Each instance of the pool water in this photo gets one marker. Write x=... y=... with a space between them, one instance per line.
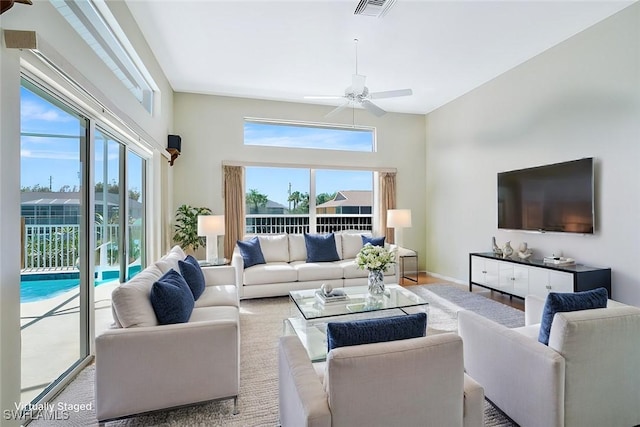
x=36 y=287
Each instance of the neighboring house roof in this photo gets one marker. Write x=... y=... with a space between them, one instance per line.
x=66 y=198
x=349 y=198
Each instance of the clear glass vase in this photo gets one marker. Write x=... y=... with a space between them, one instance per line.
x=376 y=282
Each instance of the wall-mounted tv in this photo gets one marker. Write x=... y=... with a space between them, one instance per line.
x=555 y=198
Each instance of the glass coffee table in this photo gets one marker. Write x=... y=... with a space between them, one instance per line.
x=310 y=316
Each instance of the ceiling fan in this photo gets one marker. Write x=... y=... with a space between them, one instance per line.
x=358 y=94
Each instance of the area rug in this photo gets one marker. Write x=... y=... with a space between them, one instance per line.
x=261 y=323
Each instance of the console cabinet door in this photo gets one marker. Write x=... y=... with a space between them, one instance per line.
x=521 y=281
x=505 y=282
x=484 y=272
x=560 y=282
x=543 y=281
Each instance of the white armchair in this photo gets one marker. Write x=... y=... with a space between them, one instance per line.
x=587 y=376
x=412 y=382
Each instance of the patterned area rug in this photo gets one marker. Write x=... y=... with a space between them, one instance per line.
x=261 y=325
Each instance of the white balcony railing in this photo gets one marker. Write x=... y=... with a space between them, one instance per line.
x=298 y=224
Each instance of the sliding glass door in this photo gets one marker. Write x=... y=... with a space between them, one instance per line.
x=83 y=232
x=54 y=281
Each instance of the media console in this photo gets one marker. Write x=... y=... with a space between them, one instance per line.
x=519 y=278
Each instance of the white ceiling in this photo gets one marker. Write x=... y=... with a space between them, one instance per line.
x=284 y=50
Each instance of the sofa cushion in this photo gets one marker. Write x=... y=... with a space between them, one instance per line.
x=171 y=299
x=274 y=248
x=170 y=260
x=321 y=247
x=350 y=269
x=251 y=252
x=351 y=245
x=561 y=302
x=357 y=332
x=208 y=314
x=131 y=301
x=375 y=241
x=308 y=271
x=297 y=248
x=218 y=295
x=192 y=273
x=274 y=272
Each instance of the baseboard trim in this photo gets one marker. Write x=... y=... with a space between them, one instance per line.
x=447 y=278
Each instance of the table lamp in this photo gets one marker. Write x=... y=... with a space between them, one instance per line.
x=211 y=226
x=398 y=219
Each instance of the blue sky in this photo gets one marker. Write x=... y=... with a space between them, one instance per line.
x=57 y=158
x=274 y=182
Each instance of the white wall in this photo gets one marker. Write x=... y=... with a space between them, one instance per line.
x=73 y=56
x=212 y=132
x=578 y=99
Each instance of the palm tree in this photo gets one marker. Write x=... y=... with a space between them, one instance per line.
x=256 y=199
x=296 y=198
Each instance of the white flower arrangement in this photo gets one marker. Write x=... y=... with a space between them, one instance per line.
x=375 y=258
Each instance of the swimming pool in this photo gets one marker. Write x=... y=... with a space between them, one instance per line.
x=36 y=287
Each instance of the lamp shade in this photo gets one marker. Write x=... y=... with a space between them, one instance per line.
x=399 y=218
x=210 y=225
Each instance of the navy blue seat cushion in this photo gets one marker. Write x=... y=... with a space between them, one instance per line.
x=251 y=252
x=192 y=273
x=357 y=332
x=171 y=299
x=563 y=302
x=375 y=241
x=321 y=247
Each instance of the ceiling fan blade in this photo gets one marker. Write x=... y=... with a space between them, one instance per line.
x=324 y=97
x=357 y=83
x=391 y=93
x=336 y=110
x=373 y=108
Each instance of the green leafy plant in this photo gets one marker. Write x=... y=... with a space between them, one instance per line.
x=186 y=227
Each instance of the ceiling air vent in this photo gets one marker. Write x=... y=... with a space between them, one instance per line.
x=377 y=8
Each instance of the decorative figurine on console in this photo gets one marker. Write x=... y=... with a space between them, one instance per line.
x=507 y=250
x=524 y=252
x=496 y=249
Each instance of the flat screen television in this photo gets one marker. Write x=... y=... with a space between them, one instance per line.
x=555 y=198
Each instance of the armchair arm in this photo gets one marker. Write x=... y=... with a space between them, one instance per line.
x=473 y=410
x=148 y=368
x=525 y=378
x=303 y=401
x=219 y=275
x=533 y=307
x=238 y=263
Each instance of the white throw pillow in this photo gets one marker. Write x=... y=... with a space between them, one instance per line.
x=131 y=301
x=170 y=260
x=351 y=245
x=297 y=248
x=275 y=248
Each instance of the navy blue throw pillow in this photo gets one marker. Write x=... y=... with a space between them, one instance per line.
x=357 y=332
x=171 y=299
x=251 y=252
x=563 y=302
x=192 y=273
x=375 y=241
x=321 y=247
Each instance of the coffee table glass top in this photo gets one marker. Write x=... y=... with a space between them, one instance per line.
x=358 y=301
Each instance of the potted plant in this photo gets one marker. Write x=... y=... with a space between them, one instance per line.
x=186 y=227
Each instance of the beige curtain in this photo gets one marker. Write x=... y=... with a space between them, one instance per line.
x=233 y=208
x=387 y=201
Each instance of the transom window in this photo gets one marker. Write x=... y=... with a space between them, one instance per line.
x=310 y=136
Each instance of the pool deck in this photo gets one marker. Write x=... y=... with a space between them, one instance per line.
x=51 y=335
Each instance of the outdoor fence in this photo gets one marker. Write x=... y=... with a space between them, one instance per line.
x=298 y=224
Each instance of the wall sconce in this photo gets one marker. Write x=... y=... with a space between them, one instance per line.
x=211 y=226
x=398 y=219
x=174 y=146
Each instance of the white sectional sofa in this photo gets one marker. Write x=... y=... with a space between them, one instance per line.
x=142 y=366
x=286 y=267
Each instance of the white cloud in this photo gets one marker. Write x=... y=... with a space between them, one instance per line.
x=51 y=155
x=30 y=110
